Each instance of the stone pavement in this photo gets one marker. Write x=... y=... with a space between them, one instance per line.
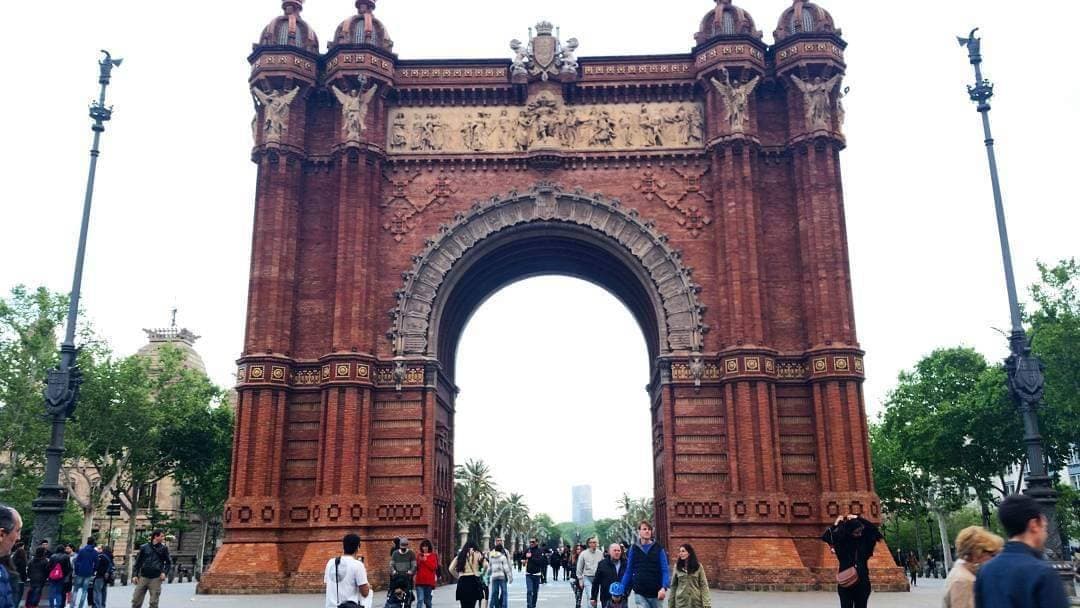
x=552 y=595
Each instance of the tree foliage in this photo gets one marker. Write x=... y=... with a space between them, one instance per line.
x=1055 y=337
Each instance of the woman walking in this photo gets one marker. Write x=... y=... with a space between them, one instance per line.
x=853 y=539
x=38 y=574
x=689 y=585
x=555 y=561
x=574 y=584
x=975 y=546
x=427 y=566
x=467 y=568
x=913 y=569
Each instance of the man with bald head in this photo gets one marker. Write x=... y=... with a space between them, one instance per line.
x=609 y=570
x=10 y=529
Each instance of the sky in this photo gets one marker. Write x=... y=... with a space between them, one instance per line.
x=171 y=224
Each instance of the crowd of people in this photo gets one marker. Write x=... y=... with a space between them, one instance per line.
x=65 y=575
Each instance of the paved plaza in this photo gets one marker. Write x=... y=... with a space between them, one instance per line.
x=552 y=595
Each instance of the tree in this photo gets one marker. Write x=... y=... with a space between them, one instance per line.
x=1055 y=334
x=473 y=492
x=29 y=325
x=202 y=446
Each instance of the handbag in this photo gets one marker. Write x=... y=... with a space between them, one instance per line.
x=337 y=588
x=848 y=577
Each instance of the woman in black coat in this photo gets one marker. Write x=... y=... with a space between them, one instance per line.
x=853 y=540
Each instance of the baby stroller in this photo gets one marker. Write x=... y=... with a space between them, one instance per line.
x=400 y=593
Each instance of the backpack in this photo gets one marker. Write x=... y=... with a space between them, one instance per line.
x=57 y=573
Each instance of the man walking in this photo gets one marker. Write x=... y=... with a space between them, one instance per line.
x=345 y=577
x=535 y=566
x=151 y=565
x=84 y=572
x=587 y=563
x=403 y=567
x=1019 y=576
x=10 y=529
x=647 y=572
x=609 y=570
x=501 y=574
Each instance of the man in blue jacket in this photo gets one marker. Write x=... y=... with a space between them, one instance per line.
x=1019 y=577
x=647 y=571
x=10 y=529
x=85 y=560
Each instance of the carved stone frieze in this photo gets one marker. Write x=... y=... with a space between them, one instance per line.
x=545 y=122
x=681 y=327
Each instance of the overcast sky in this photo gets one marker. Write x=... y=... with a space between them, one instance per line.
x=172 y=218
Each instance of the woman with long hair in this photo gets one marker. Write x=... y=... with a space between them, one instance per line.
x=853 y=539
x=427 y=566
x=467 y=568
x=689 y=585
x=572 y=559
x=555 y=562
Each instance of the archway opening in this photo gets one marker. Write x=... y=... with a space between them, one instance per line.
x=552 y=373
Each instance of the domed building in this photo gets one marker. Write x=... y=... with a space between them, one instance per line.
x=180 y=339
x=362 y=29
x=726 y=20
x=290 y=30
x=804 y=18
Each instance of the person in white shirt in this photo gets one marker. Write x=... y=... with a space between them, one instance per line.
x=346 y=578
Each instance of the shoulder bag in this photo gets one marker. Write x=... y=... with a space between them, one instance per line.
x=848 y=577
x=337 y=587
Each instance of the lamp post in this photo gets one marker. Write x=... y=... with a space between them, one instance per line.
x=62 y=386
x=1025 y=370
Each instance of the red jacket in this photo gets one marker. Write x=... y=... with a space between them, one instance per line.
x=425 y=569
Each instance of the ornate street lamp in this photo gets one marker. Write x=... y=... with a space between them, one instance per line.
x=62 y=387
x=1025 y=370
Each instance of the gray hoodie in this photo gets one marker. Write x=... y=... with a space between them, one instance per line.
x=588 y=561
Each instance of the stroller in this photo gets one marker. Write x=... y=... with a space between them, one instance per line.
x=400 y=592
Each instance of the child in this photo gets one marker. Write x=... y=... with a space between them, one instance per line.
x=398 y=597
x=617 y=596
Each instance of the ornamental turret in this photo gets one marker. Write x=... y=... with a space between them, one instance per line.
x=809 y=57
x=730 y=62
x=359 y=74
x=284 y=65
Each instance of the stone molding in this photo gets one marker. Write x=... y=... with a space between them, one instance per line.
x=681 y=327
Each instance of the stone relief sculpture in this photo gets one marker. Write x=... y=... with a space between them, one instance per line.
x=519 y=65
x=354 y=108
x=545 y=56
x=569 y=59
x=546 y=122
x=816 y=100
x=736 y=98
x=275 y=105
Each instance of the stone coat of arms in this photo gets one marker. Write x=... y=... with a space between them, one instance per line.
x=545 y=56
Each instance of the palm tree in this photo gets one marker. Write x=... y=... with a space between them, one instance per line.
x=473 y=492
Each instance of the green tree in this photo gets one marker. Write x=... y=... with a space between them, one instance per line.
x=1055 y=336
x=202 y=445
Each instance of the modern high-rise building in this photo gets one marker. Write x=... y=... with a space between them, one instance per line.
x=581 y=504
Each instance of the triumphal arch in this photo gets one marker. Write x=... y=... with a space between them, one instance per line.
x=394 y=195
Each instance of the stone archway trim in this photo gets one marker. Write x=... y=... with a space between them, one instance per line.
x=681 y=325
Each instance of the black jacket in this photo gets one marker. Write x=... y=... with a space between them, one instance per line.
x=605 y=575
x=152 y=561
x=38 y=572
x=65 y=564
x=537 y=563
x=854 y=541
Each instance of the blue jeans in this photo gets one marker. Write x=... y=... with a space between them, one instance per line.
x=99 y=592
x=423 y=596
x=532 y=590
x=56 y=594
x=648 y=602
x=498 y=598
x=79 y=587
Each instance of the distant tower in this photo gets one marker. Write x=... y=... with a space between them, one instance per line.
x=581 y=504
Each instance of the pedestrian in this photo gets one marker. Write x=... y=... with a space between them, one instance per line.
x=1019 y=576
x=467 y=567
x=689 y=585
x=535 y=566
x=10 y=529
x=151 y=564
x=570 y=563
x=974 y=546
x=403 y=568
x=59 y=571
x=575 y=581
x=346 y=577
x=85 y=559
x=616 y=596
x=647 y=574
x=37 y=574
x=555 y=560
x=853 y=540
x=104 y=570
x=69 y=581
x=427 y=574
x=21 y=561
x=608 y=571
x=913 y=569
x=500 y=574
x=586 y=565
x=545 y=554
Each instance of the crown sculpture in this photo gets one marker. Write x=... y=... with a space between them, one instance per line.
x=544 y=57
